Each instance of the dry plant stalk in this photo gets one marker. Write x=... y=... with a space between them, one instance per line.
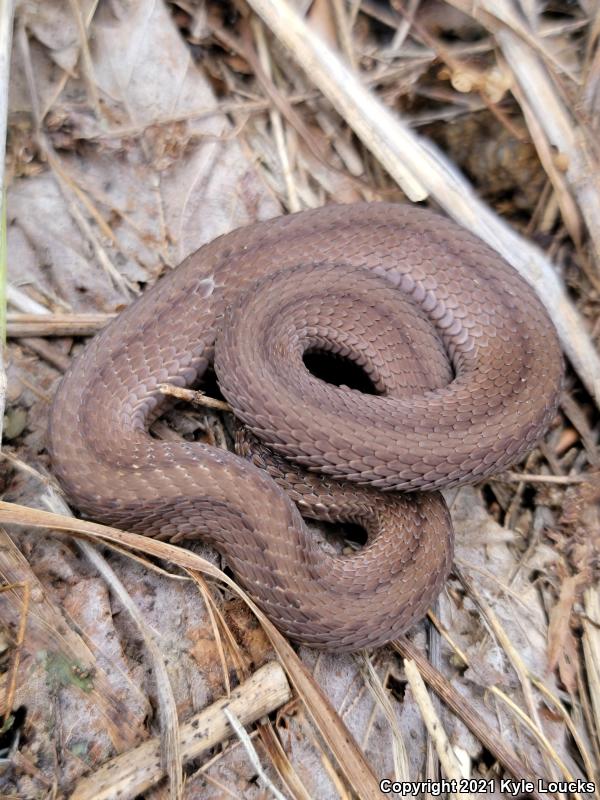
x=133 y=772
x=434 y=726
x=6 y=23
x=193 y=396
x=591 y=649
x=23 y=325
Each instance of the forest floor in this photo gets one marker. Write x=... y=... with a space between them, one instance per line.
x=138 y=132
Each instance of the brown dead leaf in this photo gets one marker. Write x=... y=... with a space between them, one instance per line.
x=562 y=646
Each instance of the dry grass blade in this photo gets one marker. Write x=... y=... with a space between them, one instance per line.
x=539 y=736
x=547 y=156
x=7 y=701
x=167 y=707
x=276 y=119
x=281 y=762
x=71 y=192
x=350 y=758
x=383 y=701
x=86 y=59
x=564 y=139
x=6 y=23
x=216 y=620
x=239 y=731
x=581 y=746
x=496 y=15
x=193 y=396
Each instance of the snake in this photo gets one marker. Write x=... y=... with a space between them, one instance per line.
x=464 y=372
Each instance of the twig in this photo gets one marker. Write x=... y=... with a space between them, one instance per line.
x=28 y=306
x=6 y=25
x=434 y=726
x=132 y=773
x=524 y=477
x=41 y=325
x=193 y=396
x=46 y=351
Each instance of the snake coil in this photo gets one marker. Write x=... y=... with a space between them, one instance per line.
x=462 y=356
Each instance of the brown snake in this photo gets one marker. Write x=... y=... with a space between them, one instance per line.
x=461 y=352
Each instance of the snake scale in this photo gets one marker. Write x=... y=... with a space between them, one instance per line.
x=466 y=371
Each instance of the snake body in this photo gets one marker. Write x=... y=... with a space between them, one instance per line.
x=466 y=370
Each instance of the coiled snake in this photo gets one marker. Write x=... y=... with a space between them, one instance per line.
x=463 y=358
